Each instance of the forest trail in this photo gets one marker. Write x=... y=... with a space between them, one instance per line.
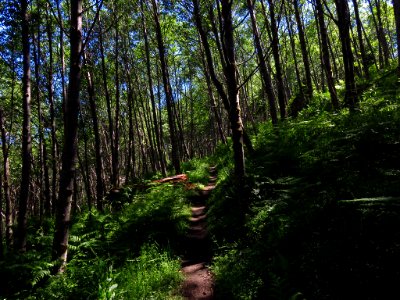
x=199 y=282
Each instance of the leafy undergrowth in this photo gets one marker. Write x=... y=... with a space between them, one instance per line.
x=319 y=214
x=128 y=254
x=197 y=170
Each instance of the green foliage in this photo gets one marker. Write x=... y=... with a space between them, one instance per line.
x=110 y=255
x=242 y=282
x=197 y=170
x=323 y=207
x=152 y=275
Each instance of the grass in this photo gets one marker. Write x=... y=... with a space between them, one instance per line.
x=152 y=275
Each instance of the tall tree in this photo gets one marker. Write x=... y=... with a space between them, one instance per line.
x=167 y=89
x=115 y=154
x=69 y=154
x=231 y=72
x=6 y=182
x=396 y=6
x=108 y=104
x=325 y=54
x=210 y=64
x=266 y=76
x=44 y=179
x=26 y=131
x=152 y=98
x=50 y=92
x=382 y=42
x=277 y=59
x=343 y=22
x=1 y=218
x=96 y=132
x=304 y=51
x=360 y=39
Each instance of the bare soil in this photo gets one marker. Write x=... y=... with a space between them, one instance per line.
x=199 y=281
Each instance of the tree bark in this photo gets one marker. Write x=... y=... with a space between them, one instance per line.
x=381 y=34
x=304 y=51
x=382 y=43
x=233 y=93
x=131 y=164
x=1 y=218
x=325 y=55
x=351 y=98
x=364 y=59
x=61 y=235
x=44 y=180
x=84 y=164
x=6 y=183
x=97 y=142
x=211 y=97
x=152 y=98
x=26 y=132
x=50 y=91
x=277 y=58
x=218 y=85
x=396 y=7
x=167 y=90
x=115 y=154
x=265 y=75
x=296 y=67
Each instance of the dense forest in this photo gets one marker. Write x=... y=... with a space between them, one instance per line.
x=295 y=105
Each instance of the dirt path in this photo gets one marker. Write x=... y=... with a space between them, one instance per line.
x=199 y=283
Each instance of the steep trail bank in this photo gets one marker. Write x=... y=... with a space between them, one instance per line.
x=199 y=282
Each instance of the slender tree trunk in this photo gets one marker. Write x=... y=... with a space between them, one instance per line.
x=131 y=165
x=6 y=183
x=332 y=52
x=381 y=33
x=277 y=58
x=218 y=85
x=61 y=235
x=1 y=218
x=396 y=7
x=325 y=55
x=371 y=49
x=304 y=51
x=382 y=43
x=52 y=108
x=44 y=181
x=217 y=35
x=139 y=132
x=293 y=48
x=97 y=142
x=62 y=53
x=36 y=55
x=167 y=89
x=145 y=119
x=212 y=100
x=360 y=39
x=115 y=154
x=26 y=132
x=160 y=120
x=233 y=93
x=265 y=75
x=54 y=151
x=108 y=103
x=351 y=98
x=152 y=98
x=84 y=164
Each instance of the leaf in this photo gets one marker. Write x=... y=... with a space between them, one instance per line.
x=113 y=287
